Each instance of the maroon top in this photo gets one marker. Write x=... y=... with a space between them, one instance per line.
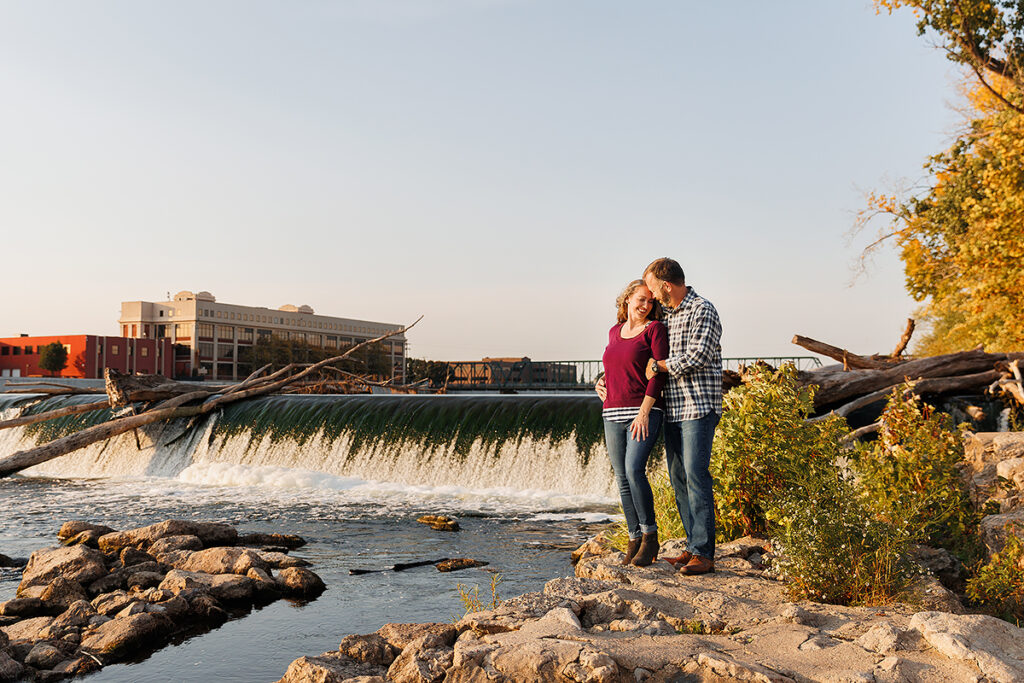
x=625 y=363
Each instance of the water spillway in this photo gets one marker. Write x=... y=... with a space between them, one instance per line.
x=523 y=442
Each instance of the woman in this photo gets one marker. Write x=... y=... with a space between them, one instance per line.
x=633 y=412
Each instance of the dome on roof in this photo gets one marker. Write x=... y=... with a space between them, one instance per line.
x=184 y=295
x=288 y=308
x=205 y=296
x=305 y=309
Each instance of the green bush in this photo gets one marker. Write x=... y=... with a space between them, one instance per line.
x=911 y=476
x=766 y=448
x=998 y=586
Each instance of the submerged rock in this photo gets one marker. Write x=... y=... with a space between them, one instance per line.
x=302 y=582
x=458 y=563
x=440 y=522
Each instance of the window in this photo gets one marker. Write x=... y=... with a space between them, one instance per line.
x=218 y=314
x=133 y=331
x=113 y=349
x=5 y=350
x=182 y=330
x=161 y=312
x=17 y=350
x=144 y=351
x=204 y=330
x=232 y=315
x=28 y=350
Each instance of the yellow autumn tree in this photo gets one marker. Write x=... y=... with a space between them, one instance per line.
x=962 y=239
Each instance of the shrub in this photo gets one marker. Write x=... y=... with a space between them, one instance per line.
x=911 y=476
x=766 y=448
x=998 y=586
x=471 y=600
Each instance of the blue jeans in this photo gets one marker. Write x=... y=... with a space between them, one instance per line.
x=629 y=460
x=688 y=456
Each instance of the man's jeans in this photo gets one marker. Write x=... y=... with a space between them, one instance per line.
x=688 y=455
x=629 y=460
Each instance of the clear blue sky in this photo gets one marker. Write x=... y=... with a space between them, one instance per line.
x=502 y=167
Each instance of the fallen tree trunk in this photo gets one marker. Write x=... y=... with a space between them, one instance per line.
x=174 y=408
x=933 y=385
x=53 y=414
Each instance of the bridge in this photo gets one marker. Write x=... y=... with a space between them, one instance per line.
x=515 y=375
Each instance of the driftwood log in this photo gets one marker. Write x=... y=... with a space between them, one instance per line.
x=175 y=406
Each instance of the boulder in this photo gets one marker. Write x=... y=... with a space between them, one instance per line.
x=330 y=667
x=300 y=582
x=439 y=522
x=372 y=648
x=44 y=656
x=26 y=629
x=225 y=587
x=941 y=563
x=115 y=580
x=278 y=560
x=210 y=533
x=75 y=617
x=995 y=646
x=206 y=607
x=78 y=666
x=142 y=580
x=458 y=563
x=224 y=561
x=263 y=581
x=290 y=541
x=131 y=556
x=73 y=528
x=90 y=538
x=995 y=528
x=7 y=561
x=928 y=593
x=76 y=563
x=120 y=637
x=112 y=603
x=882 y=638
x=424 y=660
x=61 y=593
x=23 y=607
x=169 y=543
x=983 y=453
x=400 y=635
x=10 y=670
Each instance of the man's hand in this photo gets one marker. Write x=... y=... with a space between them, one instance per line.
x=601 y=389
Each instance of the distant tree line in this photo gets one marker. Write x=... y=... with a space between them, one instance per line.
x=373 y=360
x=437 y=371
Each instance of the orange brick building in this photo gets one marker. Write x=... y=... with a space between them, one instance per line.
x=88 y=355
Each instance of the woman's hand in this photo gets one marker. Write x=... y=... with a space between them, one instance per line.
x=639 y=428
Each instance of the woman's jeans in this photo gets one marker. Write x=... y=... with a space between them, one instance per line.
x=629 y=460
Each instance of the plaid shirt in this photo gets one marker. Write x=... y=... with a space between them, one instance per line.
x=694 y=361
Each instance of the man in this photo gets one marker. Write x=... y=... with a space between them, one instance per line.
x=693 y=398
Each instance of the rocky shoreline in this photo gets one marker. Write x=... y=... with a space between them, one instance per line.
x=107 y=595
x=612 y=623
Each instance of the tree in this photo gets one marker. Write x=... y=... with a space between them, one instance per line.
x=437 y=371
x=53 y=357
x=960 y=239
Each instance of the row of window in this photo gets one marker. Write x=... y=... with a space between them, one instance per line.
x=278 y=320
x=27 y=350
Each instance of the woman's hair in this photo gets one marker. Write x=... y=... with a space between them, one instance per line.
x=622 y=303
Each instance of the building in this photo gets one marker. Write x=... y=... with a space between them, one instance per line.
x=511 y=371
x=208 y=334
x=88 y=355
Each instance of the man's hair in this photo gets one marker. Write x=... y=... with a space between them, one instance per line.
x=667 y=270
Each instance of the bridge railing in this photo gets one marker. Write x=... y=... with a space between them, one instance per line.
x=566 y=375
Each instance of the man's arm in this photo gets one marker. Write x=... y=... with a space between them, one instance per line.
x=699 y=347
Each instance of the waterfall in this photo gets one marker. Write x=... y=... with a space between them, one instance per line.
x=543 y=442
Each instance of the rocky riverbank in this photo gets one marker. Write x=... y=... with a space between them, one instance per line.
x=611 y=623
x=106 y=595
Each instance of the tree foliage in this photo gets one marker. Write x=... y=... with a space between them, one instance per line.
x=961 y=240
x=53 y=357
x=371 y=360
x=437 y=371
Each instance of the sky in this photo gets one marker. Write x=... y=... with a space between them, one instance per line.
x=502 y=167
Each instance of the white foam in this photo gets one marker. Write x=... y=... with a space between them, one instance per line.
x=232 y=474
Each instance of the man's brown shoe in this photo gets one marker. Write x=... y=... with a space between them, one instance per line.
x=679 y=560
x=698 y=565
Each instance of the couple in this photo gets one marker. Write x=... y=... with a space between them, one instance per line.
x=682 y=359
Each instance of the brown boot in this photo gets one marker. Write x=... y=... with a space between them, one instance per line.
x=698 y=564
x=631 y=548
x=648 y=552
x=679 y=560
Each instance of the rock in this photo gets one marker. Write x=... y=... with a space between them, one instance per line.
x=224 y=561
x=400 y=635
x=742 y=548
x=226 y=587
x=439 y=522
x=75 y=617
x=592 y=667
x=1012 y=469
x=263 y=581
x=169 y=543
x=174 y=608
x=132 y=556
x=210 y=533
x=61 y=593
x=302 y=582
x=115 y=580
x=882 y=638
x=123 y=636
x=330 y=667
x=928 y=593
x=278 y=560
x=995 y=528
x=983 y=454
x=76 y=563
x=372 y=648
x=44 y=656
x=23 y=607
x=290 y=541
x=207 y=608
x=26 y=629
x=595 y=547
x=142 y=580
x=112 y=603
x=941 y=563
x=458 y=563
x=730 y=668
x=423 y=660
x=77 y=667
x=7 y=561
x=91 y=538
x=10 y=670
x=995 y=646
x=73 y=528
